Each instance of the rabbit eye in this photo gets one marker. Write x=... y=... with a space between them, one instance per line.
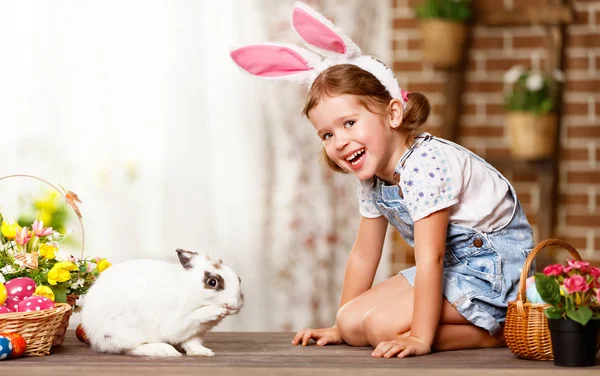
x=212 y=282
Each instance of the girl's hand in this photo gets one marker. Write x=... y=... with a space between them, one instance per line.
x=401 y=347
x=326 y=336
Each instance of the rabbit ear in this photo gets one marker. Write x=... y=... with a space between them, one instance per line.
x=276 y=61
x=321 y=34
x=185 y=258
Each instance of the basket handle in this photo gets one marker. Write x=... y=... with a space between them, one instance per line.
x=538 y=248
x=70 y=198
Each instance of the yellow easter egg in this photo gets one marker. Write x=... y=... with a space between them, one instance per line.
x=3 y=293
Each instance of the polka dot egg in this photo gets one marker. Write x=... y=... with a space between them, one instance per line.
x=6 y=348
x=12 y=303
x=35 y=303
x=5 y=309
x=21 y=287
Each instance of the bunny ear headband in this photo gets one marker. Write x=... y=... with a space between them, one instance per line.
x=278 y=61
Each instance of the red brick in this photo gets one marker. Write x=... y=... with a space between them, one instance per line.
x=580 y=63
x=590 y=177
x=481 y=131
x=579 y=242
x=583 y=132
x=426 y=87
x=486 y=42
x=573 y=199
x=494 y=109
x=583 y=40
x=590 y=85
x=575 y=108
x=485 y=87
x=575 y=154
x=413 y=44
x=529 y=41
x=405 y=23
x=505 y=64
x=583 y=220
x=407 y=66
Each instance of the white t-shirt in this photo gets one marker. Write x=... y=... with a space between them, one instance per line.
x=437 y=175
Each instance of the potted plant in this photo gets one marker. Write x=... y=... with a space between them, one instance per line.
x=531 y=121
x=573 y=292
x=443 y=30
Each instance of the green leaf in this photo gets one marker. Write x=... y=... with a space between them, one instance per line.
x=581 y=315
x=548 y=288
x=60 y=292
x=554 y=313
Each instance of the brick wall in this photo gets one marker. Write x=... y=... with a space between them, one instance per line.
x=494 y=50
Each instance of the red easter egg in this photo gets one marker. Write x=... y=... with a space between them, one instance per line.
x=35 y=303
x=18 y=342
x=5 y=309
x=12 y=303
x=23 y=287
x=81 y=335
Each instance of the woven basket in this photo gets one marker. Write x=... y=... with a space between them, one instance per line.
x=526 y=328
x=38 y=328
x=43 y=342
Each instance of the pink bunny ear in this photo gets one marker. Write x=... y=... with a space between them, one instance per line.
x=272 y=61
x=320 y=33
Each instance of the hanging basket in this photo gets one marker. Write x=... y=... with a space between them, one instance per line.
x=44 y=329
x=442 y=42
x=526 y=329
x=531 y=136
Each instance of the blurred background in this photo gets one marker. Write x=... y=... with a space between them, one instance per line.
x=137 y=108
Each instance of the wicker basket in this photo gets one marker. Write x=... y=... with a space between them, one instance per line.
x=526 y=328
x=43 y=342
x=38 y=328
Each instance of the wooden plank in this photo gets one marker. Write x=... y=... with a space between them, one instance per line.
x=263 y=353
x=529 y=15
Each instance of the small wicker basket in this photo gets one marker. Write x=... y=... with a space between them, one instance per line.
x=38 y=328
x=526 y=328
x=55 y=320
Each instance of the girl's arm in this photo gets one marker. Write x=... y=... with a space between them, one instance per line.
x=360 y=272
x=430 y=245
x=364 y=258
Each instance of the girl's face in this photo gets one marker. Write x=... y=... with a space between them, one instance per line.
x=358 y=140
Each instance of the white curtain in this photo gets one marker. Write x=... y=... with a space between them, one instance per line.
x=134 y=106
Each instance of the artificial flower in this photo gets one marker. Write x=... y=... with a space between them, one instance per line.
x=39 y=230
x=48 y=251
x=576 y=283
x=22 y=236
x=534 y=82
x=513 y=74
x=44 y=291
x=9 y=231
x=554 y=270
x=103 y=265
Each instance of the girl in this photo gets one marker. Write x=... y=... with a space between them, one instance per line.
x=469 y=232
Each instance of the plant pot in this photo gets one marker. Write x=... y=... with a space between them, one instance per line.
x=531 y=136
x=573 y=344
x=442 y=41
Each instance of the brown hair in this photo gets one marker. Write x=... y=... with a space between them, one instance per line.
x=350 y=79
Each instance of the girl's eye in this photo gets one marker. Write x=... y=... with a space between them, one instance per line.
x=326 y=136
x=349 y=124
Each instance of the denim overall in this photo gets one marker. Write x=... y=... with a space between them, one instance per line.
x=481 y=269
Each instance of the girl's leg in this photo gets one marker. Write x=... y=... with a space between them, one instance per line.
x=384 y=311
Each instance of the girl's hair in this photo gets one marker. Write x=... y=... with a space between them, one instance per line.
x=350 y=79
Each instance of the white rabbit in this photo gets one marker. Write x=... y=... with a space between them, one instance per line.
x=146 y=307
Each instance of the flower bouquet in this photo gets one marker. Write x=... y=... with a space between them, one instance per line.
x=39 y=280
x=573 y=293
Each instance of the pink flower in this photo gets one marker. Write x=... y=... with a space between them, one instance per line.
x=22 y=236
x=553 y=270
x=595 y=272
x=583 y=266
x=576 y=283
x=39 y=230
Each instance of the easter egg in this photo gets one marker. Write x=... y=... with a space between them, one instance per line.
x=35 y=303
x=12 y=303
x=81 y=335
x=19 y=345
x=3 y=293
x=22 y=287
x=531 y=291
x=6 y=348
x=5 y=309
